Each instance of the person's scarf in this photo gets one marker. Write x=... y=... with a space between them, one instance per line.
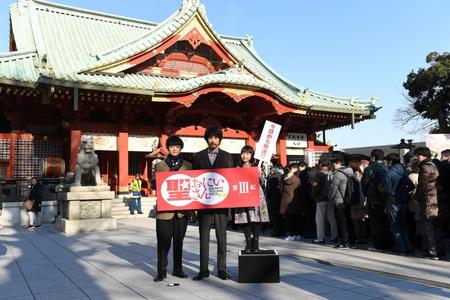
x=174 y=162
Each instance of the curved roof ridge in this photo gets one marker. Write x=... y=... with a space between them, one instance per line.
x=135 y=46
x=18 y=54
x=317 y=94
x=136 y=40
x=92 y=12
x=241 y=79
x=269 y=68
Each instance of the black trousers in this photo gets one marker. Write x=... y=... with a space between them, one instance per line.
x=166 y=230
x=435 y=237
x=345 y=224
x=360 y=227
x=379 y=226
x=206 y=219
x=293 y=224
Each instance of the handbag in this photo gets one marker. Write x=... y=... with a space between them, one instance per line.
x=28 y=204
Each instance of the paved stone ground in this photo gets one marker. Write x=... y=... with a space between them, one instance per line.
x=45 y=264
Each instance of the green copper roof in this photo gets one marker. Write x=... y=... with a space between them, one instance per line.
x=62 y=43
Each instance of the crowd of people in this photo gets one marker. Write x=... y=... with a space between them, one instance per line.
x=383 y=203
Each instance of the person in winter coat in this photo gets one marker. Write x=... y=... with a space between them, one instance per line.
x=290 y=206
x=444 y=190
x=1 y=212
x=324 y=207
x=35 y=195
x=376 y=201
x=426 y=195
x=250 y=218
x=358 y=210
x=396 y=186
x=171 y=225
x=273 y=190
x=337 y=192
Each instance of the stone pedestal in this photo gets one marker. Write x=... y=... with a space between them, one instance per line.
x=86 y=208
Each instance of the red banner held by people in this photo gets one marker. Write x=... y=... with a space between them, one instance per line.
x=207 y=189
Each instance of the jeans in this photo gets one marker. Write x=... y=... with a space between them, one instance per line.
x=397 y=220
x=135 y=203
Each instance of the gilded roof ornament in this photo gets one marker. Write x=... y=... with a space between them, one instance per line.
x=43 y=67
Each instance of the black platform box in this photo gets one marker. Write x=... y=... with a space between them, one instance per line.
x=262 y=267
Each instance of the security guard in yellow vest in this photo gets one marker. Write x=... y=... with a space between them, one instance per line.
x=135 y=189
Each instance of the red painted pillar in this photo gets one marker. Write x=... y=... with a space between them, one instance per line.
x=311 y=138
x=123 y=161
x=281 y=145
x=75 y=140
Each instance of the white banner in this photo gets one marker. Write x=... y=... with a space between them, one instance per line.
x=103 y=141
x=298 y=152
x=296 y=140
x=311 y=158
x=438 y=142
x=267 y=142
x=142 y=143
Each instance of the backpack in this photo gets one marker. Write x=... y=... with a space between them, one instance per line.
x=356 y=197
x=350 y=190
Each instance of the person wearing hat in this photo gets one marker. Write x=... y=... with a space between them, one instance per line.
x=171 y=225
x=135 y=189
x=213 y=158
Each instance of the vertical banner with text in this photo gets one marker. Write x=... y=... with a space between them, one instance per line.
x=267 y=141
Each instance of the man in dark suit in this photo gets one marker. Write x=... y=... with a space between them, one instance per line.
x=213 y=158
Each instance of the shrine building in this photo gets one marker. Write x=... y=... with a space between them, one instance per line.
x=132 y=83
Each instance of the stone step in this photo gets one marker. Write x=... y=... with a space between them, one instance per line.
x=128 y=216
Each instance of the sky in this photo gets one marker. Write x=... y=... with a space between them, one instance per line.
x=345 y=48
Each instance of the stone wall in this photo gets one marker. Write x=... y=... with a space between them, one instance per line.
x=14 y=214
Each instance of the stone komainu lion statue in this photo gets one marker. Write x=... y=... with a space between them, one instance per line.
x=87 y=172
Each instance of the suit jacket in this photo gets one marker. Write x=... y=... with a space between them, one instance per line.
x=163 y=167
x=223 y=160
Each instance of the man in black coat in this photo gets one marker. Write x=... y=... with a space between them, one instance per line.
x=376 y=201
x=444 y=190
x=213 y=158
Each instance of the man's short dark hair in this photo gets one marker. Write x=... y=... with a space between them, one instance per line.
x=302 y=164
x=293 y=165
x=424 y=151
x=174 y=140
x=377 y=153
x=213 y=131
x=338 y=160
x=446 y=153
x=324 y=162
x=393 y=157
x=407 y=158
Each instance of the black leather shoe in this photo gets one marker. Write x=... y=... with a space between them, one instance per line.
x=201 y=275
x=223 y=275
x=179 y=274
x=160 y=277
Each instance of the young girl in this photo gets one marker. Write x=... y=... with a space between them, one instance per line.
x=250 y=218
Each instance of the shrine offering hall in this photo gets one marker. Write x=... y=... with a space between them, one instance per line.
x=130 y=84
